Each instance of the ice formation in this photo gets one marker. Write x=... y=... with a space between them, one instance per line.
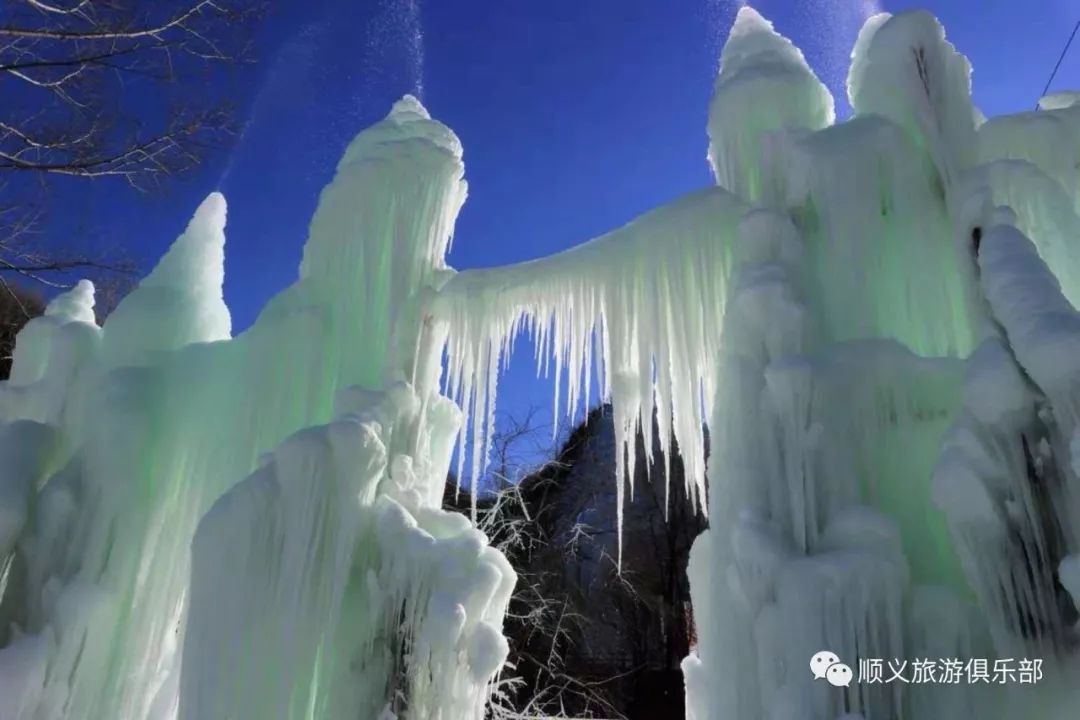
x=883 y=354
x=874 y=319
x=200 y=526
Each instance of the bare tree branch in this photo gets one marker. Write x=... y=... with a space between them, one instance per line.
x=542 y=625
x=45 y=7
x=157 y=31
x=100 y=89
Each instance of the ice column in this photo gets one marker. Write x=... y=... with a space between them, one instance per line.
x=329 y=583
x=829 y=409
x=793 y=561
x=326 y=584
x=764 y=90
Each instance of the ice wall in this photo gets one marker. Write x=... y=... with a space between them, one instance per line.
x=144 y=577
x=892 y=481
x=883 y=356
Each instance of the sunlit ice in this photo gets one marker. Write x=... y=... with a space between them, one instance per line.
x=861 y=341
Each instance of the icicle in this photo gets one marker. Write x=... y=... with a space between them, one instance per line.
x=652 y=357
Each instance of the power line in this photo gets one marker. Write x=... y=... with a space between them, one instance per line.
x=1060 y=59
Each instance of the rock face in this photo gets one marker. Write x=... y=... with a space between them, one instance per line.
x=621 y=634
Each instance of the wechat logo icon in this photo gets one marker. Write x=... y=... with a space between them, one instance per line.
x=826 y=665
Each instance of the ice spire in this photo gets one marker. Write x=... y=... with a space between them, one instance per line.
x=764 y=86
x=37 y=347
x=399 y=610
x=904 y=69
x=379 y=235
x=185 y=286
x=162 y=414
x=75 y=305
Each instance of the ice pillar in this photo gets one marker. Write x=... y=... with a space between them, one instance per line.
x=142 y=577
x=329 y=583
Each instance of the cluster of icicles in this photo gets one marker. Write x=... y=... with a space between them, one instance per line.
x=875 y=320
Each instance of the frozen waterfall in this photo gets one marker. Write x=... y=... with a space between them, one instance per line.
x=876 y=321
x=200 y=526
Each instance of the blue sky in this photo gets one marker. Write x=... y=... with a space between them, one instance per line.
x=575 y=116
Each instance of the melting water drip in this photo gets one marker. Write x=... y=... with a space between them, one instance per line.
x=416 y=45
x=292 y=64
x=307 y=68
x=397 y=31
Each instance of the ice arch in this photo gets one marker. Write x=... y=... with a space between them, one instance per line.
x=883 y=352
x=875 y=319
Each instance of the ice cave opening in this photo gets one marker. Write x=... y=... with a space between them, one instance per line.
x=875 y=319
